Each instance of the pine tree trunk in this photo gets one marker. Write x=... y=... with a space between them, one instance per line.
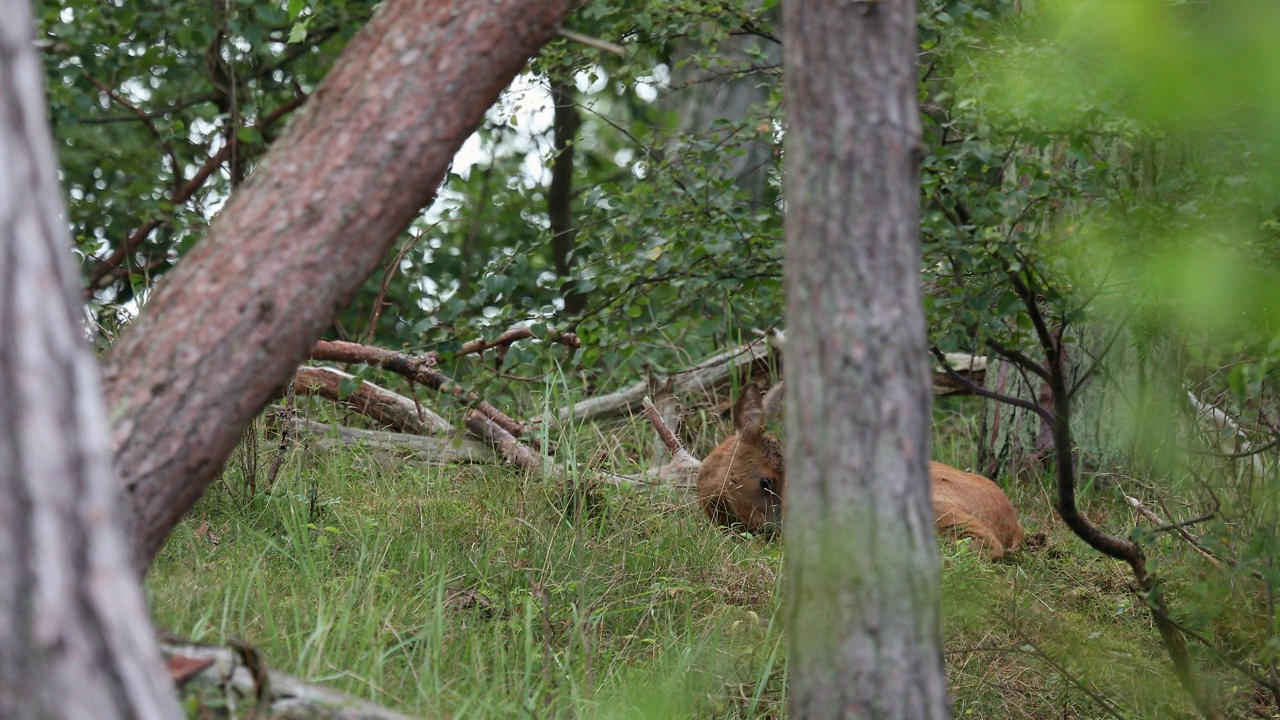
x=295 y=242
x=75 y=640
x=862 y=566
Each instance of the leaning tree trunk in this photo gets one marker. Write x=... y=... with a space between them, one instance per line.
x=295 y=242
x=862 y=566
x=75 y=641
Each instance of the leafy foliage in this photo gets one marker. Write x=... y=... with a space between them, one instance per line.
x=1118 y=157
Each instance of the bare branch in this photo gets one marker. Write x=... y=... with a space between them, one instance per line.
x=516 y=334
x=387 y=408
x=977 y=389
x=592 y=42
x=419 y=369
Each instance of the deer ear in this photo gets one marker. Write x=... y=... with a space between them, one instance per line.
x=772 y=402
x=748 y=414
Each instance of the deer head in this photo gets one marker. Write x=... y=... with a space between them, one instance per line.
x=741 y=482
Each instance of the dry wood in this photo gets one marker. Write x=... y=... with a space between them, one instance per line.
x=235 y=678
x=385 y=407
x=697 y=380
x=1230 y=438
x=511 y=448
x=430 y=449
x=418 y=368
x=517 y=334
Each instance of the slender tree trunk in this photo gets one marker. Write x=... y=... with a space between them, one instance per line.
x=75 y=641
x=299 y=237
x=564 y=235
x=862 y=567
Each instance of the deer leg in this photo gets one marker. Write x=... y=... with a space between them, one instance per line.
x=981 y=535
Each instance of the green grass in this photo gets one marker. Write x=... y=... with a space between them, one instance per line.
x=471 y=591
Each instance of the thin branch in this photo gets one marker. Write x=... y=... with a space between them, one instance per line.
x=1106 y=350
x=1178 y=527
x=149 y=123
x=1238 y=455
x=1065 y=673
x=589 y=41
x=1019 y=359
x=1033 y=308
x=513 y=335
x=110 y=269
x=981 y=391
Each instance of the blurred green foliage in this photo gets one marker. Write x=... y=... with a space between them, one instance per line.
x=1121 y=154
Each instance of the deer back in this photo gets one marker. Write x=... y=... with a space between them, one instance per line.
x=740 y=483
x=972 y=506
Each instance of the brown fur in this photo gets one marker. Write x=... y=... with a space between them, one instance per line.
x=741 y=485
x=970 y=505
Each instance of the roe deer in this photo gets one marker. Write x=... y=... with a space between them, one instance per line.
x=741 y=484
x=970 y=505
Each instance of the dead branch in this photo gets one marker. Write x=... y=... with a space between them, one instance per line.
x=1215 y=421
x=699 y=379
x=234 y=677
x=516 y=334
x=385 y=407
x=1192 y=540
x=419 y=369
x=516 y=452
x=432 y=449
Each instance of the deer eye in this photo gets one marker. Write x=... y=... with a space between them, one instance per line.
x=766 y=484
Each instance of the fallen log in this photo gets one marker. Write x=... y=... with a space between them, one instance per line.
x=431 y=449
x=234 y=679
x=387 y=408
x=419 y=369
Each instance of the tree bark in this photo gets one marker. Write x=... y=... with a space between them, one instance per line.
x=862 y=566
x=564 y=235
x=295 y=242
x=75 y=640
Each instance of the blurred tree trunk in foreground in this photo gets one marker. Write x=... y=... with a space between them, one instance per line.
x=862 y=567
x=75 y=640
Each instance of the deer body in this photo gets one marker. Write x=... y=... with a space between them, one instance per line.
x=970 y=505
x=741 y=484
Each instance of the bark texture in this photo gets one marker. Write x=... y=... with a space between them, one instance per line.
x=862 y=567
x=75 y=640
x=295 y=242
x=564 y=235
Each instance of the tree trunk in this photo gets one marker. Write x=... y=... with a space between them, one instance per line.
x=728 y=89
x=75 y=641
x=862 y=566
x=564 y=235
x=297 y=240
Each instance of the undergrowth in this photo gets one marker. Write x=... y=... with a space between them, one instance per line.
x=478 y=591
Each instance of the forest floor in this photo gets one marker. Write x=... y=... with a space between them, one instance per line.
x=477 y=591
